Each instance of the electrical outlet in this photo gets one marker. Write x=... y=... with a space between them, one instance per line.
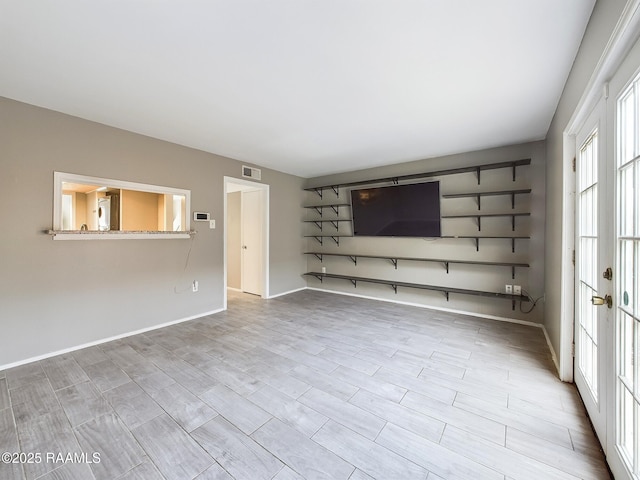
x=517 y=290
x=194 y=286
x=508 y=289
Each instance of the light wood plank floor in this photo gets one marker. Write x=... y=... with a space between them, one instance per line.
x=307 y=386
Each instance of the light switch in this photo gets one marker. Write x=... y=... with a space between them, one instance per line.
x=212 y=224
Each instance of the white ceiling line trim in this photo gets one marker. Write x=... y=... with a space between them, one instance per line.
x=622 y=39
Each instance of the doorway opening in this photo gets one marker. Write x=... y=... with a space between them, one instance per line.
x=246 y=239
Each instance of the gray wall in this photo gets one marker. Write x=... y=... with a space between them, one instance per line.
x=234 y=239
x=60 y=294
x=603 y=20
x=462 y=276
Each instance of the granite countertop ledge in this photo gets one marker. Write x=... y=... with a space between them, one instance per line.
x=104 y=234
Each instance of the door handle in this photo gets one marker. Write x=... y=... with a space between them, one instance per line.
x=601 y=301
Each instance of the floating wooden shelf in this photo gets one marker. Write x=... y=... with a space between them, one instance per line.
x=479 y=195
x=416 y=176
x=335 y=223
x=334 y=206
x=394 y=260
x=479 y=216
x=446 y=290
x=477 y=238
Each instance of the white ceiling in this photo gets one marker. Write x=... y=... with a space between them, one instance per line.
x=308 y=87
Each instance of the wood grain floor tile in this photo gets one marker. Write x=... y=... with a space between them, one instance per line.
x=372 y=384
x=132 y=404
x=377 y=384
x=423 y=425
x=552 y=432
x=301 y=454
x=82 y=402
x=508 y=462
x=176 y=454
x=144 y=471
x=237 y=453
x=434 y=457
x=70 y=471
x=184 y=407
x=214 y=472
x=351 y=416
x=371 y=458
x=330 y=384
x=420 y=385
x=106 y=375
x=294 y=413
x=242 y=413
x=449 y=414
x=587 y=467
x=108 y=436
x=4 y=394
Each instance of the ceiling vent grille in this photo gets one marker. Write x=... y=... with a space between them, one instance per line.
x=250 y=172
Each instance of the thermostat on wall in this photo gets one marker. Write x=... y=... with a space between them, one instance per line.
x=201 y=216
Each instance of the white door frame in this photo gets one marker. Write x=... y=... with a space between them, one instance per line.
x=265 y=228
x=624 y=36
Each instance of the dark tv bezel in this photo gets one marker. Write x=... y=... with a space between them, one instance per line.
x=351 y=191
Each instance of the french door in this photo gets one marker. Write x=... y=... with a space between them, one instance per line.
x=607 y=310
x=593 y=256
x=627 y=307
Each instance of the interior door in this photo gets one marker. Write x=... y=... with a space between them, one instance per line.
x=252 y=212
x=593 y=256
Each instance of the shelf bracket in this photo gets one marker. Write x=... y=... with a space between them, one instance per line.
x=513 y=302
x=478 y=201
x=395 y=180
x=318 y=239
x=335 y=190
x=446 y=266
x=335 y=209
x=319 y=210
x=336 y=239
x=477 y=244
x=513 y=223
x=513 y=245
x=318 y=224
x=354 y=282
x=478 y=174
x=395 y=288
x=514 y=172
x=318 y=191
x=394 y=261
x=354 y=259
x=513 y=272
x=319 y=277
x=446 y=294
x=318 y=256
x=479 y=224
x=513 y=201
x=335 y=224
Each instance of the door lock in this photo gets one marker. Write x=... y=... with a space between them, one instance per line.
x=601 y=301
x=608 y=273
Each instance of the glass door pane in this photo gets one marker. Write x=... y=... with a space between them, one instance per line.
x=587 y=262
x=628 y=284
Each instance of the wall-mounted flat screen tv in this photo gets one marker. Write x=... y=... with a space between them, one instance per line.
x=397 y=211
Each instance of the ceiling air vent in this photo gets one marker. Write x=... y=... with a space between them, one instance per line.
x=250 y=172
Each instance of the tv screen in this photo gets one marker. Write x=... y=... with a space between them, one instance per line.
x=397 y=211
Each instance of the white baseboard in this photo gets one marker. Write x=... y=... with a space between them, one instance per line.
x=429 y=307
x=105 y=340
x=234 y=289
x=553 y=352
x=287 y=293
